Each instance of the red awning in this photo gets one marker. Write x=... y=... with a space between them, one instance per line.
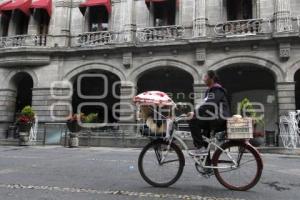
x=42 y=4
x=154 y=1
x=90 y=3
x=3 y=4
x=22 y=5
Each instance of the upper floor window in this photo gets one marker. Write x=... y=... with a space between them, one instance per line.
x=4 y=19
x=163 y=12
x=239 y=9
x=20 y=12
x=21 y=22
x=96 y=14
x=97 y=19
x=42 y=21
x=42 y=10
x=4 y=25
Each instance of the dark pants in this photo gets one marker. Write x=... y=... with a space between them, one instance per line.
x=201 y=128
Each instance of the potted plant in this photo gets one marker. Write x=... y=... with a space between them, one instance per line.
x=25 y=121
x=73 y=124
x=246 y=109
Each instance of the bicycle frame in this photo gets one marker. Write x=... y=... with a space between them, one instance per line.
x=211 y=143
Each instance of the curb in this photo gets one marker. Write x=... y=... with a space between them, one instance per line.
x=278 y=150
x=140 y=142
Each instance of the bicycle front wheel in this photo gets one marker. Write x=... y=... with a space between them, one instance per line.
x=238 y=167
x=161 y=164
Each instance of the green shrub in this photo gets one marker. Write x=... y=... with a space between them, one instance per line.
x=91 y=118
x=247 y=106
x=26 y=115
x=28 y=112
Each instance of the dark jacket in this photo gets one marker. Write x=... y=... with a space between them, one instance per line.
x=215 y=98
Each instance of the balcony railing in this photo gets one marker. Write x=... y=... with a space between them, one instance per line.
x=23 y=41
x=97 y=38
x=229 y=29
x=241 y=28
x=161 y=33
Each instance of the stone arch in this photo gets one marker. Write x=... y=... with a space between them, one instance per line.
x=291 y=71
x=93 y=87
x=94 y=66
x=260 y=62
x=12 y=73
x=138 y=72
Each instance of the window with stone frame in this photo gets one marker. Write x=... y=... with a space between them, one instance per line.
x=21 y=22
x=164 y=13
x=239 y=9
x=42 y=20
x=97 y=19
x=4 y=24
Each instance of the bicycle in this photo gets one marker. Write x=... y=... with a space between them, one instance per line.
x=161 y=162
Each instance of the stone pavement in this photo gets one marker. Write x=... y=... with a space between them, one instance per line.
x=57 y=173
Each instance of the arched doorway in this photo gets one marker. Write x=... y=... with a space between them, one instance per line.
x=252 y=82
x=99 y=90
x=22 y=83
x=174 y=81
x=297 y=89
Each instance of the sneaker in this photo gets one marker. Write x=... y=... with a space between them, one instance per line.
x=199 y=152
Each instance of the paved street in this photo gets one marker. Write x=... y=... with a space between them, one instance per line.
x=48 y=173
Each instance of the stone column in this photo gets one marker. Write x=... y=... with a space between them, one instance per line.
x=59 y=30
x=52 y=105
x=282 y=16
x=127 y=108
x=199 y=22
x=7 y=109
x=32 y=25
x=286 y=97
x=12 y=24
x=128 y=20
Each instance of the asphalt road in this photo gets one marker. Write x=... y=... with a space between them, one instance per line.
x=57 y=173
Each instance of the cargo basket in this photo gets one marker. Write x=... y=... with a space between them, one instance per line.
x=145 y=131
x=239 y=128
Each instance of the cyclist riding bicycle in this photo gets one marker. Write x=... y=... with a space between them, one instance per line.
x=210 y=115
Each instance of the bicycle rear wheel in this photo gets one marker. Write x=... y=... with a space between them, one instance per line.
x=161 y=164
x=244 y=173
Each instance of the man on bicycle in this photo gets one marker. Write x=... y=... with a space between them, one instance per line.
x=210 y=115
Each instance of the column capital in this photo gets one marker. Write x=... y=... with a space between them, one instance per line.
x=286 y=96
x=200 y=85
x=286 y=83
x=285 y=86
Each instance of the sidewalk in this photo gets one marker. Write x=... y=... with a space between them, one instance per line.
x=115 y=142
x=279 y=150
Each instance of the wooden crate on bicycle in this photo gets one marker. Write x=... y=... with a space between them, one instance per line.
x=239 y=127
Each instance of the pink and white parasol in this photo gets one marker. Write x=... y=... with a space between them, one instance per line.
x=154 y=98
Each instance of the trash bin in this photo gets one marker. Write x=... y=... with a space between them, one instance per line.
x=270 y=138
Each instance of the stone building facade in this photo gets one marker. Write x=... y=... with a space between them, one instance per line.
x=146 y=44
